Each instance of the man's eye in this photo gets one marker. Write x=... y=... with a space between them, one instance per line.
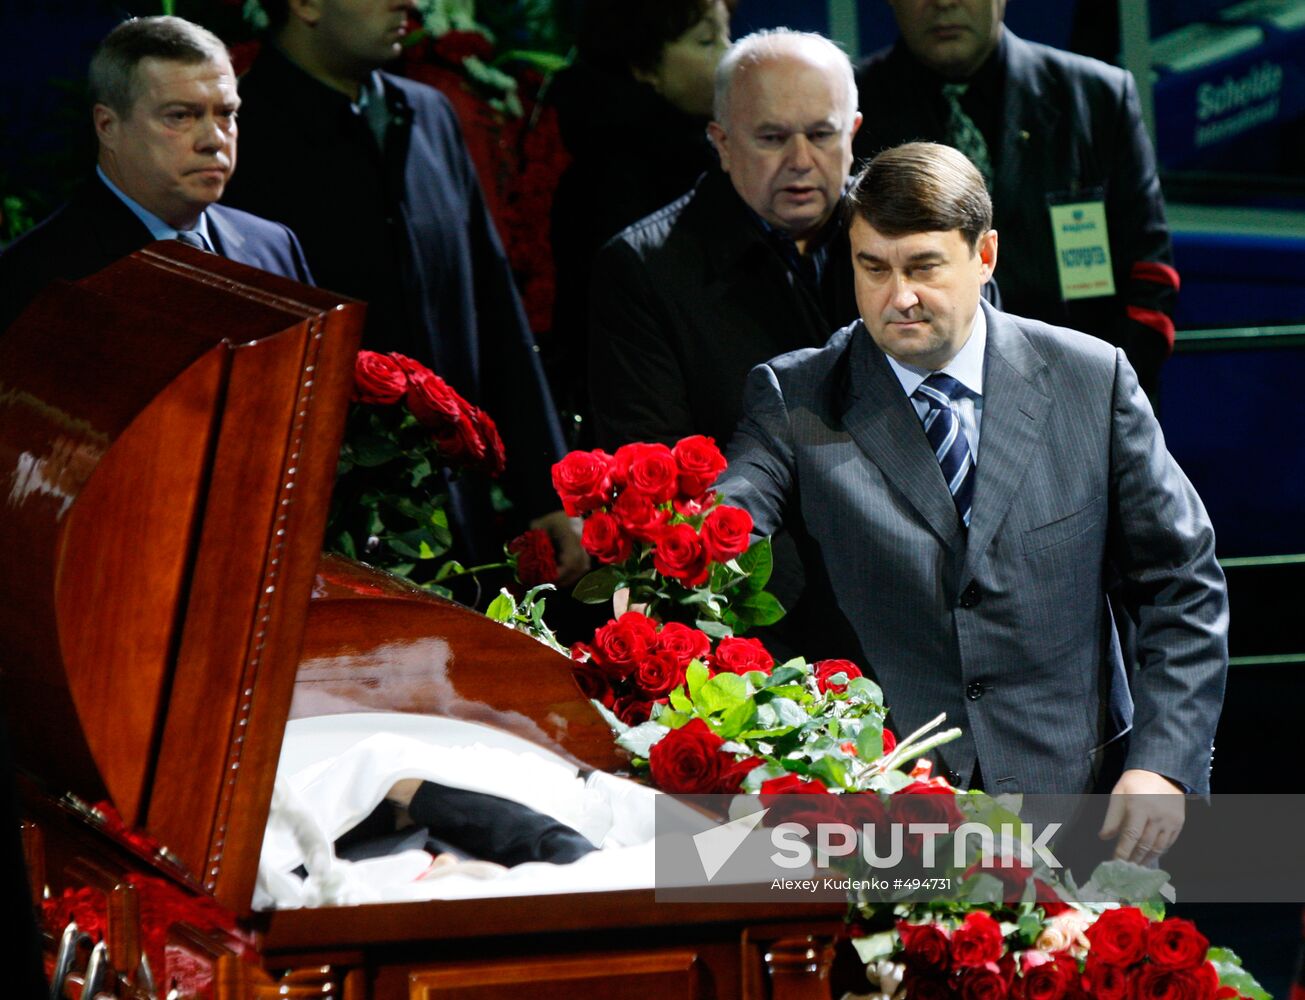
x=771 y=139
x=821 y=136
x=178 y=117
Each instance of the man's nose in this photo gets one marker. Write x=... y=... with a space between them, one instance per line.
x=800 y=157
x=211 y=135
x=903 y=298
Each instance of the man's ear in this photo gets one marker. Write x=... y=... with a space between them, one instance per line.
x=307 y=11
x=721 y=140
x=987 y=249
x=106 y=122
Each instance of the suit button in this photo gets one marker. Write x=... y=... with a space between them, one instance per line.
x=971 y=595
x=974 y=690
x=952 y=777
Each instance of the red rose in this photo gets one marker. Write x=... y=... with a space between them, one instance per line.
x=688 y=759
x=926 y=987
x=431 y=400
x=984 y=984
x=594 y=683
x=792 y=784
x=679 y=555
x=921 y=802
x=378 y=379
x=535 y=562
x=890 y=741
x=1175 y=943
x=684 y=643
x=583 y=480
x=619 y=645
x=925 y=947
x=460 y=441
x=732 y=775
x=640 y=517
x=603 y=538
x=826 y=669
x=1108 y=982
x=657 y=674
x=1052 y=905
x=738 y=656
x=976 y=942
x=725 y=533
x=645 y=468
x=1208 y=977
x=1050 y=980
x=1154 y=982
x=494 y=460
x=1119 y=937
x=699 y=462
x=632 y=708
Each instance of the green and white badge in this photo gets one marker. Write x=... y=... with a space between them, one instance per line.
x=1082 y=249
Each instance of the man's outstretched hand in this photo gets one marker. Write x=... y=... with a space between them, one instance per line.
x=1146 y=814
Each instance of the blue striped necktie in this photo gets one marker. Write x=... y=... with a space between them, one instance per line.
x=943 y=429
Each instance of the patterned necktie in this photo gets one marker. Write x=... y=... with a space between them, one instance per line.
x=963 y=133
x=947 y=437
x=191 y=239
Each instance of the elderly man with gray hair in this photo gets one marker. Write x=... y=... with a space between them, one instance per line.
x=164 y=106
x=751 y=263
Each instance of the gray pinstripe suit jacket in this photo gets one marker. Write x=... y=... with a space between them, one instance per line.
x=1008 y=630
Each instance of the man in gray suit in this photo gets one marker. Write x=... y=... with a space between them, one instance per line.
x=968 y=481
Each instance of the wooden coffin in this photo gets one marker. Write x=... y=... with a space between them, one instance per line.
x=168 y=436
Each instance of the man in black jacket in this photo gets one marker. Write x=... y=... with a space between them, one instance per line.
x=164 y=108
x=372 y=172
x=1068 y=161
x=750 y=264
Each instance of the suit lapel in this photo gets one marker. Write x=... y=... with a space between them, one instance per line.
x=1014 y=408
x=885 y=426
x=227 y=239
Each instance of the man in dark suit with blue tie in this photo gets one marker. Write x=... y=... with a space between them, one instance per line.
x=164 y=108
x=967 y=482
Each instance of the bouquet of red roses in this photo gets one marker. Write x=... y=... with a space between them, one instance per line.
x=703 y=708
x=653 y=522
x=1053 y=951
x=405 y=427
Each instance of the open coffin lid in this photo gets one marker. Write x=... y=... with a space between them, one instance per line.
x=168 y=431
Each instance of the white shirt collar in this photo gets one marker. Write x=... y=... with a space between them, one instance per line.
x=966 y=367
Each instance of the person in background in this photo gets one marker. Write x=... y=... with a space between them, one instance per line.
x=1060 y=141
x=164 y=107
x=633 y=110
x=372 y=172
x=751 y=263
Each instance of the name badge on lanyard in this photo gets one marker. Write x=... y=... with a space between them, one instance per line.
x=1082 y=248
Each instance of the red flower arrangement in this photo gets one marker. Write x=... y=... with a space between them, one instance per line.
x=388 y=508
x=658 y=531
x=1072 y=954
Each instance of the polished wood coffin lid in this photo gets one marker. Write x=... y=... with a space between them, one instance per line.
x=168 y=438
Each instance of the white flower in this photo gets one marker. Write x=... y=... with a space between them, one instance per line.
x=1065 y=932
